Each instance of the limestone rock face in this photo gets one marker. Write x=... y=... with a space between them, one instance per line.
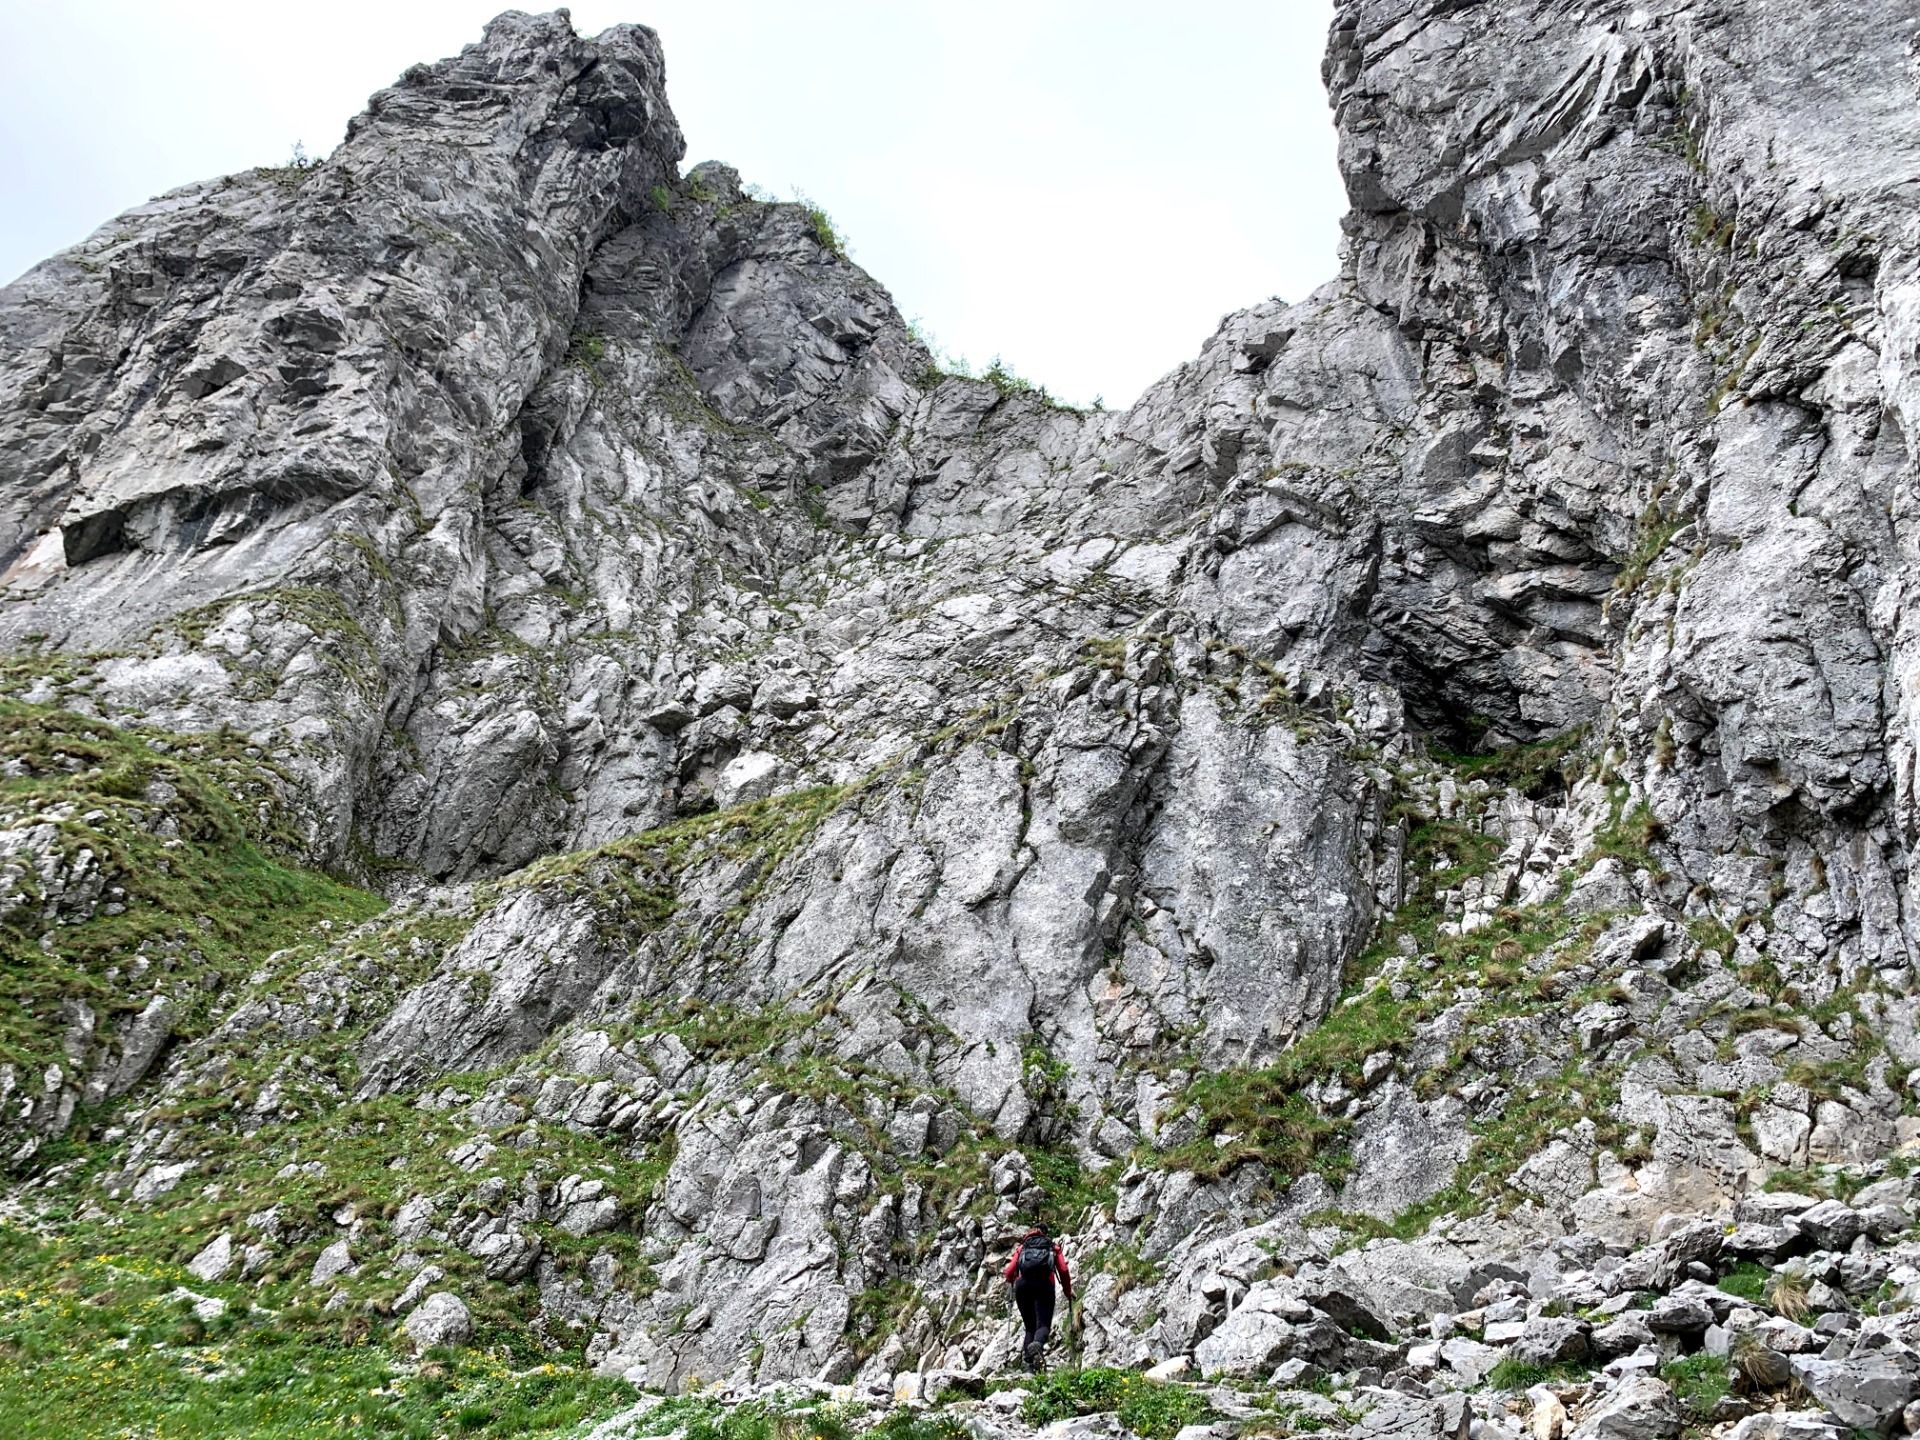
x=1443 y=759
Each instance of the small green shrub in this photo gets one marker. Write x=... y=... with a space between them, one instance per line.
x=293 y=174
x=1004 y=379
x=825 y=235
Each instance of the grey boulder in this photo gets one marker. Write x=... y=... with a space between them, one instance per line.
x=1863 y=1392
x=442 y=1320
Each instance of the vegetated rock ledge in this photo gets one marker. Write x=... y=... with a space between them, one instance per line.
x=572 y=803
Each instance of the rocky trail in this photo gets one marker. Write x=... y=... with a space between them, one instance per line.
x=586 y=835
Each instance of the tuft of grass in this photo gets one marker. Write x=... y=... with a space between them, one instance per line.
x=1514 y=1374
x=1787 y=1294
x=1126 y=1265
x=586 y=351
x=878 y=1312
x=1656 y=532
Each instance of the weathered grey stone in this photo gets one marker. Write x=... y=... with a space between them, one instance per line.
x=1343 y=1302
x=1830 y=1225
x=1679 y=1315
x=1753 y=1241
x=1552 y=1340
x=1781 y=1334
x=1863 y=1391
x=145 y=1037
x=335 y=1260
x=206 y=1308
x=1469 y=1359
x=442 y=1319
x=1639 y=1408
x=418 y=1287
x=1772 y=1425
x=1621 y=1337
x=1885 y=1222
x=1773 y=1207
x=215 y=1259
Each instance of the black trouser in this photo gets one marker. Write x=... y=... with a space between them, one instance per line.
x=1034 y=1295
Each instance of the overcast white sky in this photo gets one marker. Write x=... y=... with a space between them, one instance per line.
x=1082 y=187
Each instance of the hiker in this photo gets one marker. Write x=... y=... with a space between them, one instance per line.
x=1036 y=1260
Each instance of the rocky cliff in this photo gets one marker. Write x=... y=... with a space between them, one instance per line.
x=553 y=756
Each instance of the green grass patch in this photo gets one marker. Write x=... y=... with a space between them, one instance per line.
x=879 y=1312
x=1128 y=1267
x=777 y=1418
x=761 y=835
x=1534 y=770
x=915 y=1425
x=1749 y=1280
x=1699 y=1381
x=1073 y=1191
x=1148 y=1408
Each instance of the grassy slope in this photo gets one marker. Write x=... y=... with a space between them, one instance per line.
x=198 y=881
x=92 y=1346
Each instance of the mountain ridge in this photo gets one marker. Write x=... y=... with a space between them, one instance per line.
x=1408 y=819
